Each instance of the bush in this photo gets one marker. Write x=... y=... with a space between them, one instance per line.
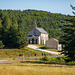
x=44 y=58
x=20 y=54
x=14 y=58
x=57 y=60
x=71 y=63
x=60 y=59
x=1 y=45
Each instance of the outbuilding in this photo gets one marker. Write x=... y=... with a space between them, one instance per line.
x=53 y=44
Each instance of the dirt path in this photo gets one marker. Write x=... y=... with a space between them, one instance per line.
x=2 y=61
x=37 y=48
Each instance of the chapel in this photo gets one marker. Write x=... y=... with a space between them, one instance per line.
x=37 y=35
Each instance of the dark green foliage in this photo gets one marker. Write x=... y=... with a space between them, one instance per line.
x=1 y=45
x=70 y=59
x=12 y=30
x=69 y=38
x=20 y=54
x=71 y=63
x=15 y=25
x=44 y=58
x=60 y=60
x=56 y=60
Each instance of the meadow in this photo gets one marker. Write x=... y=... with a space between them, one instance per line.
x=32 y=67
x=14 y=53
x=19 y=68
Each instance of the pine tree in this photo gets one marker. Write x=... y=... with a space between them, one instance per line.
x=69 y=37
x=21 y=34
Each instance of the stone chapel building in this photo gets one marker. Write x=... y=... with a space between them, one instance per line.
x=53 y=43
x=37 y=35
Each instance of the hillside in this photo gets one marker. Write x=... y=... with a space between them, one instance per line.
x=15 y=25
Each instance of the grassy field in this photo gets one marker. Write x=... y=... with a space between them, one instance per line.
x=31 y=67
x=14 y=53
x=18 y=68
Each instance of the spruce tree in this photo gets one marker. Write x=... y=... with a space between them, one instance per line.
x=69 y=37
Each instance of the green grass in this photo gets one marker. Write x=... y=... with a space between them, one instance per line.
x=33 y=50
x=14 y=53
x=39 y=45
x=30 y=49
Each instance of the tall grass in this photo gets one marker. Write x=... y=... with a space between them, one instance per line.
x=36 y=69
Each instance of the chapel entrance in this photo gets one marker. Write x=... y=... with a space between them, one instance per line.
x=36 y=41
x=32 y=41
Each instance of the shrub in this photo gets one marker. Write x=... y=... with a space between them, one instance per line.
x=57 y=60
x=71 y=63
x=14 y=58
x=1 y=45
x=44 y=58
x=20 y=54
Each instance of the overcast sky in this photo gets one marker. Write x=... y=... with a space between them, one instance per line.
x=54 y=6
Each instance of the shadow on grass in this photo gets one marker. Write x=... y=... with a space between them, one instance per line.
x=44 y=65
x=46 y=62
x=42 y=48
x=39 y=62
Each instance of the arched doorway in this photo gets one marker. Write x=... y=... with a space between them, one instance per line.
x=32 y=41
x=29 y=41
x=36 y=41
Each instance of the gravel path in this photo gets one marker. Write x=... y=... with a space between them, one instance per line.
x=2 y=61
x=37 y=48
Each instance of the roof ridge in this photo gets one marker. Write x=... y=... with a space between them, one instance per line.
x=38 y=27
x=41 y=30
x=54 y=39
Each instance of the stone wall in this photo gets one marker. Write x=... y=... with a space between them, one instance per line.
x=53 y=44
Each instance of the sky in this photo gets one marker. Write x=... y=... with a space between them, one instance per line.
x=53 y=6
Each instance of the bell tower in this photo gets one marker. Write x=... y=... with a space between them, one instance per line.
x=35 y=25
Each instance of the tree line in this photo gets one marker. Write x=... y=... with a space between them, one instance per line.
x=15 y=25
